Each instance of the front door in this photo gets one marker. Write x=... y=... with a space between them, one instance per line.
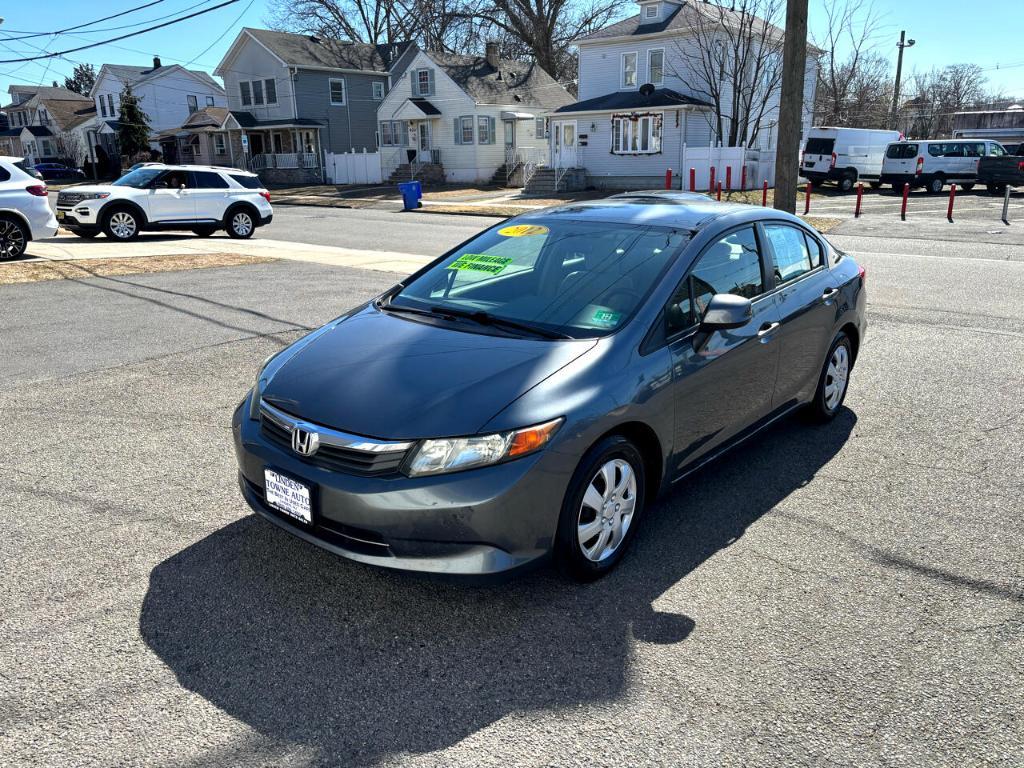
x=256 y=144
x=723 y=382
x=423 y=141
x=564 y=143
x=170 y=198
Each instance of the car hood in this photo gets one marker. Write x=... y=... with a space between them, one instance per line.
x=90 y=188
x=385 y=376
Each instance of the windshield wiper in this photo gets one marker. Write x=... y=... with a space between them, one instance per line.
x=485 y=318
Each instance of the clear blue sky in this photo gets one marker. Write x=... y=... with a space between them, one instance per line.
x=947 y=32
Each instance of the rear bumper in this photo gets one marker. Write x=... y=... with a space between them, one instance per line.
x=264 y=220
x=899 y=179
x=832 y=174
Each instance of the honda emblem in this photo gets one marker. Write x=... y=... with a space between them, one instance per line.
x=305 y=442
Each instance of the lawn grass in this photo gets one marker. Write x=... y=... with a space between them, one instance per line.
x=14 y=272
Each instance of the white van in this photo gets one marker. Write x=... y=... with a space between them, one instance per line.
x=845 y=155
x=933 y=164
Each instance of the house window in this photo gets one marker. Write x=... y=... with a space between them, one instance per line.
x=102 y=106
x=541 y=129
x=193 y=103
x=257 y=92
x=391 y=133
x=651 y=11
x=484 y=132
x=246 y=92
x=271 y=88
x=636 y=134
x=629 y=70
x=378 y=90
x=218 y=144
x=337 y=92
x=209 y=101
x=466 y=130
x=423 y=82
x=110 y=104
x=656 y=66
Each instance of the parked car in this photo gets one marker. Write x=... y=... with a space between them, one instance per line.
x=845 y=155
x=53 y=171
x=202 y=199
x=24 y=210
x=933 y=164
x=530 y=392
x=997 y=172
x=1014 y=149
x=24 y=165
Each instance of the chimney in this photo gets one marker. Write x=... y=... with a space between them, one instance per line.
x=492 y=54
x=156 y=62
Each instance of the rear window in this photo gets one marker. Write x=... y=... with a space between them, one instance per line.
x=819 y=146
x=249 y=182
x=901 y=151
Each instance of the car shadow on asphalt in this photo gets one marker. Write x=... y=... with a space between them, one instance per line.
x=362 y=664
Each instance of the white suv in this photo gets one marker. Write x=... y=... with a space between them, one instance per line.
x=24 y=211
x=199 y=198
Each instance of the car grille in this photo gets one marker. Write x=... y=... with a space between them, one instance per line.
x=69 y=198
x=276 y=426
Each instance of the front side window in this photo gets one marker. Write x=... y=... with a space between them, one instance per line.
x=656 y=66
x=378 y=91
x=245 y=92
x=337 y=92
x=636 y=134
x=629 y=70
x=791 y=255
x=996 y=150
x=140 y=178
x=193 y=104
x=580 y=278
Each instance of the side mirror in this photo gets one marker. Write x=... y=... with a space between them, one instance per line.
x=181 y=188
x=726 y=311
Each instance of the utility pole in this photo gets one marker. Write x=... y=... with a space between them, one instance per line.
x=903 y=43
x=791 y=106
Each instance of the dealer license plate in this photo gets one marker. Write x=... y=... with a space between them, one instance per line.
x=288 y=496
x=60 y=215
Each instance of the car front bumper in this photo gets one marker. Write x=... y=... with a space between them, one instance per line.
x=478 y=522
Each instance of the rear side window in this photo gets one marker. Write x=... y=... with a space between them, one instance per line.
x=792 y=255
x=819 y=146
x=249 y=182
x=208 y=180
x=901 y=151
x=5 y=175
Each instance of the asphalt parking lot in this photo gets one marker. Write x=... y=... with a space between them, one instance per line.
x=826 y=596
x=975 y=205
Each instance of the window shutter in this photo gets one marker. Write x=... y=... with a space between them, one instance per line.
x=458 y=129
x=490 y=132
x=430 y=83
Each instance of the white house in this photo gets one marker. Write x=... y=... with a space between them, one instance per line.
x=167 y=94
x=46 y=124
x=466 y=118
x=642 y=110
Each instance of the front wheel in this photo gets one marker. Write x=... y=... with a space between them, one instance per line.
x=241 y=224
x=875 y=184
x=936 y=184
x=121 y=225
x=86 y=234
x=13 y=239
x=834 y=380
x=995 y=189
x=204 y=231
x=602 y=506
x=967 y=187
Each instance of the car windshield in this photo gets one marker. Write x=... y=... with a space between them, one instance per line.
x=142 y=177
x=555 y=276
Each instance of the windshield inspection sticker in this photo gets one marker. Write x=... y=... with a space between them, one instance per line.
x=606 y=318
x=522 y=230
x=481 y=262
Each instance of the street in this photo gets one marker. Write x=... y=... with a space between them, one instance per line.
x=836 y=595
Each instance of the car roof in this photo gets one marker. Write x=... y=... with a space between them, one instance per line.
x=222 y=168
x=690 y=214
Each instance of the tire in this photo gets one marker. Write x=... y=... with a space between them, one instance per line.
x=967 y=187
x=847 y=181
x=589 y=554
x=86 y=234
x=935 y=184
x=875 y=184
x=835 y=372
x=996 y=189
x=203 y=231
x=14 y=238
x=122 y=224
x=240 y=223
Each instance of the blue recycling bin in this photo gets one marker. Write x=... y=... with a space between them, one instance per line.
x=412 y=193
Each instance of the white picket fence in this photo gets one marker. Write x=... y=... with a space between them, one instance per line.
x=728 y=163
x=354 y=167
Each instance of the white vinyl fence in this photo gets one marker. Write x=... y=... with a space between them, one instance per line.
x=354 y=167
x=728 y=163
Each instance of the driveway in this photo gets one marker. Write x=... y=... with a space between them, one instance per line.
x=839 y=595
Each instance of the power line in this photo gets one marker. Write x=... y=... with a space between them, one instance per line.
x=87 y=24
x=220 y=37
x=122 y=37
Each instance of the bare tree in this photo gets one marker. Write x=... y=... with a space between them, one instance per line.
x=70 y=147
x=936 y=95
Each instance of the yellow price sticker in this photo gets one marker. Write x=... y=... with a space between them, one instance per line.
x=523 y=230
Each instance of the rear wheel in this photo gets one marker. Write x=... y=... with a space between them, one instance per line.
x=876 y=184
x=847 y=181
x=86 y=234
x=13 y=239
x=967 y=187
x=241 y=223
x=122 y=224
x=204 y=231
x=834 y=380
x=996 y=189
x=602 y=506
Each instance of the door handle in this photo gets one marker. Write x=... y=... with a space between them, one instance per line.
x=829 y=293
x=767 y=328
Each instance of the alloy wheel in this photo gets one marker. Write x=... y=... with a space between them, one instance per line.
x=837 y=376
x=607 y=510
x=12 y=240
x=123 y=225
x=241 y=223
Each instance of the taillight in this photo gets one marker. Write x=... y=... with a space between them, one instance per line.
x=1020 y=166
x=801 y=157
x=920 y=166
x=39 y=190
x=833 y=163
x=862 y=274
x=265 y=195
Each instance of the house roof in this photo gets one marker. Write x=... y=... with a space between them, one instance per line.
x=207 y=117
x=632 y=100
x=39 y=130
x=40 y=92
x=682 y=18
x=66 y=113
x=513 y=82
x=425 y=106
x=246 y=120
x=135 y=75
x=311 y=51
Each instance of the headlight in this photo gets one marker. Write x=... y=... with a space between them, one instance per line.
x=96 y=196
x=258 y=387
x=452 y=454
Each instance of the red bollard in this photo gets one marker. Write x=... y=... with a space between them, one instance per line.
x=728 y=178
x=711 y=185
x=719 y=190
x=668 y=179
x=949 y=209
x=693 y=179
x=903 y=209
x=743 y=179
x=807 y=199
x=860 y=195
x=764 y=194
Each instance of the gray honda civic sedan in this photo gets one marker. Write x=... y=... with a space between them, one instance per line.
x=530 y=393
